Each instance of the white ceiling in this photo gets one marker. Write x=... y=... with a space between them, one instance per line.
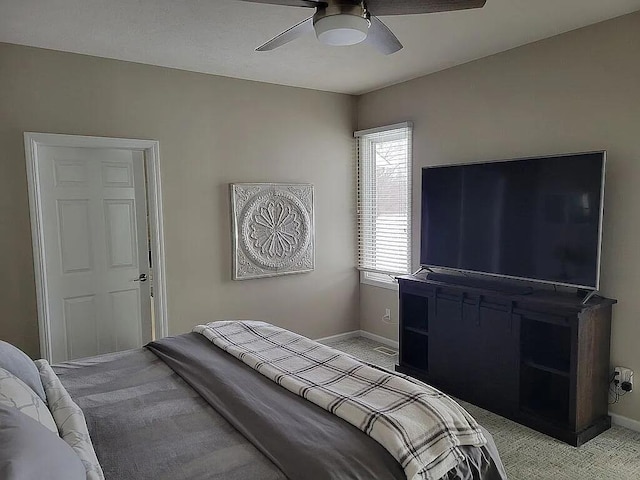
x=219 y=36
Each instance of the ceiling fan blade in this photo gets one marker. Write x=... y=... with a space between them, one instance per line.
x=411 y=7
x=287 y=36
x=290 y=3
x=381 y=38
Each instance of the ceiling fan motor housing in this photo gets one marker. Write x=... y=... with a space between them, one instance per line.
x=340 y=24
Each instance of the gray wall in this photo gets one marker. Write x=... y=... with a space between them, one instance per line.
x=212 y=131
x=579 y=91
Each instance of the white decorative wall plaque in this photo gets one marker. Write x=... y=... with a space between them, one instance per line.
x=273 y=229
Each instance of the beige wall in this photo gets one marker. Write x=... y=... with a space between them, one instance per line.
x=576 y=92
x=373 y=303
x=212 y=131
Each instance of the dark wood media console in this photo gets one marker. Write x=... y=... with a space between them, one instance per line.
x=540 y=358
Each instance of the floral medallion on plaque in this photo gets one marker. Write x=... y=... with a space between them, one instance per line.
x=273 y=229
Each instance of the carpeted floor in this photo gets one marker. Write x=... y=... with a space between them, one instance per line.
x=529 y=455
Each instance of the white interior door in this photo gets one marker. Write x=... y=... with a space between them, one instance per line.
x=96 y=253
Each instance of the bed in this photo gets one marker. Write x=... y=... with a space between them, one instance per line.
x=184 y=407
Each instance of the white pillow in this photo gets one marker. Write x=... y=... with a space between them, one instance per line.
x=70 y=419
x=15 y=393
x=14 y=360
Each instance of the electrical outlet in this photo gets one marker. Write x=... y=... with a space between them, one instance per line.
x=387 y=315
x=624 y=379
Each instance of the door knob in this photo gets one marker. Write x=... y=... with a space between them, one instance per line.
x=141 y=278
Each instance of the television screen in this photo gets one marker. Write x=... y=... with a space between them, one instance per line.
x=535 y=218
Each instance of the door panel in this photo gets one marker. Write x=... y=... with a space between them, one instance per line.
x=125 y=314
x=70 y=173
x=81 y=326
x=96 y=247
x=75 y=238
x=121 y=234
x=116 y=174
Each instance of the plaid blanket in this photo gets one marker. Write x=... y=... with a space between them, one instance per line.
x=420 y=426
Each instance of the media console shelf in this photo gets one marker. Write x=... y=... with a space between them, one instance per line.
x=540 y=358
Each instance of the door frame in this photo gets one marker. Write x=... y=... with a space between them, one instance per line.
x=151 y=150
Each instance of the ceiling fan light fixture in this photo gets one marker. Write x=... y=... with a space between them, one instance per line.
x=341 y=30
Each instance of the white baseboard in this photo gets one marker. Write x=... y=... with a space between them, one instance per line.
x=379 y=339
x=340 y=336
x=625 y=422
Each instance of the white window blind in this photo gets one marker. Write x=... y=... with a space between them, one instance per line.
x=384 y=200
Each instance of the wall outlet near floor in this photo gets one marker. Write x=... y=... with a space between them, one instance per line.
x=624 y=379
x=387 y=315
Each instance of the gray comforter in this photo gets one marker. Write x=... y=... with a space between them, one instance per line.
x=190 y=411
x=147 y=423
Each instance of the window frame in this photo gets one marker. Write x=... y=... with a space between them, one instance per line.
x=368 y=277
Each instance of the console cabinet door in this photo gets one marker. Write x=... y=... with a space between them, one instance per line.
x=474 y=352
x=448 y=352
x=495 y=359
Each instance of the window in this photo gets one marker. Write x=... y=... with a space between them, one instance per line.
x=384 y=203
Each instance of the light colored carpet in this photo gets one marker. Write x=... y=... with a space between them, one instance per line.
x=529 y=455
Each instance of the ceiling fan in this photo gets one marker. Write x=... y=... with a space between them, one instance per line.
x=344 y=22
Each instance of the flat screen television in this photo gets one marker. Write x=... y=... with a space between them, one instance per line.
x=533 y=219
